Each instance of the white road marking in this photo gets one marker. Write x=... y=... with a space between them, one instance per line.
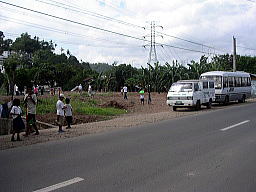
x=60 y=185
x=232 y=126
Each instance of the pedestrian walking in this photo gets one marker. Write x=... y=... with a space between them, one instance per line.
x=125 y=90
x=90 y=90
x=30 y=101
x=16 y=88
x=18 y=123
x=42 y=90
x=60 y=112
x=6 y=108
x=52 y=92
x=68 y=113
x=59 y=90
x=36 y=90
x=142 y=97
x=80 y=88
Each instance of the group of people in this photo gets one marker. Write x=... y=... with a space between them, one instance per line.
x=64 y=112
x=37 y=90
x=79 y=88
x=124 y=91
x=30 y=101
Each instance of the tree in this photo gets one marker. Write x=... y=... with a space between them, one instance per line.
x=5 y=44
x=10 y=66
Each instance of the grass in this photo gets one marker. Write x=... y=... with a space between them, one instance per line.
x=85 y=106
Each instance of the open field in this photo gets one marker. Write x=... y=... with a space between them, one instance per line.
x=100 y=107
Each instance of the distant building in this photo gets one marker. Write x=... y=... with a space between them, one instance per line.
x=4 y=56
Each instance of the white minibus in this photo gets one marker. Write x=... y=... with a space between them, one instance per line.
x=191 y=93
x=230 y=86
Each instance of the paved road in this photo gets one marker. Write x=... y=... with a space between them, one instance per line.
x=189 y=154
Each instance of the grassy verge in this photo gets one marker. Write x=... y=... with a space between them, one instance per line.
x=80 y=105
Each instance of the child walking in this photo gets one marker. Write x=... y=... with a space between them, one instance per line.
x=68 y=113
x=18 y=124
x=142 y=96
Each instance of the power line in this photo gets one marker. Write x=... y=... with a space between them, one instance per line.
x=87 y=12
x=189 y=41
x=75 y=22
x=64 y=32
x=175 y=55
x=253 y=49
x=71 y=43
x=98 y=28
x=122 y=22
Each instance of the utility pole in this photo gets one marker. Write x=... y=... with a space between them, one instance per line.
x=234 y=54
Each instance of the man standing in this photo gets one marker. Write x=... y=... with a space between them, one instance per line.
x=149 y=95
x=89 y=90
x=125 y=92
x=60 y=112
x=30 y=101
x=80 y=88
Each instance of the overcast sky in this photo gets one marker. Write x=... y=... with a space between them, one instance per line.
x=208 y=22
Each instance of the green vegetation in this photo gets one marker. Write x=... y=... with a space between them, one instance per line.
x=88 y=107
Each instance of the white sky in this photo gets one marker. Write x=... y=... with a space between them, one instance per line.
x=210 y=22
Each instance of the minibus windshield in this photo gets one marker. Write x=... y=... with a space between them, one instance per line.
x=181 y=87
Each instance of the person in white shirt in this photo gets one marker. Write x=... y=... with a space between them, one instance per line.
x=142 y=98
x=125 y=92
x=90 y=90
x=60 y=112
x=30 y=101
x=68 y=113
x=80 y=88
x=18 y=124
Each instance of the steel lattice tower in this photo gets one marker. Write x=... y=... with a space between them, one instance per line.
x=152 y=52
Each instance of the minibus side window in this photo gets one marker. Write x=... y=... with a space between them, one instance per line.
x=248 y=81
x=231 y=81
x=244 y=81
x=225 y=82
x=237 y=81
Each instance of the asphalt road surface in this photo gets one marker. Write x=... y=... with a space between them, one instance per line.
x=209 y=152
